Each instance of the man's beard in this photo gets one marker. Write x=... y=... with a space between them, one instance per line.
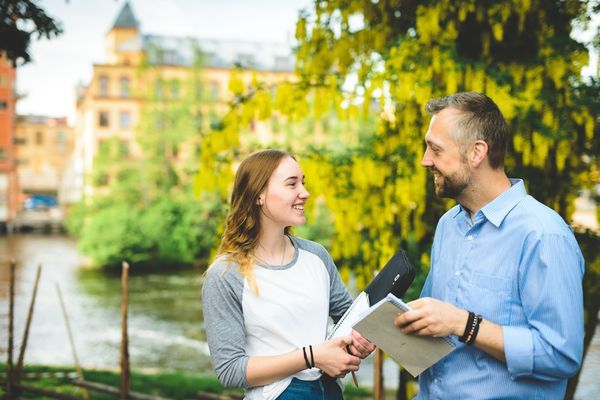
x=453 y=185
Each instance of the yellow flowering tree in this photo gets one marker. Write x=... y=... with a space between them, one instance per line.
x=389 y=57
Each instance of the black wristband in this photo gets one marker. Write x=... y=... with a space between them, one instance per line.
x=306 y=358
x=468 y=328
x=477 y=321
x=312 y=358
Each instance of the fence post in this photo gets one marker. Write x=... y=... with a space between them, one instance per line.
x=378 y=390
x=27 y=325
x=125 y=377
x=11 y=317
x=71 y=340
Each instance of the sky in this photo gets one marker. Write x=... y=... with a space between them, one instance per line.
x=48 y=83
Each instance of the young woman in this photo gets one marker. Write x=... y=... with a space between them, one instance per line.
x=268 y=295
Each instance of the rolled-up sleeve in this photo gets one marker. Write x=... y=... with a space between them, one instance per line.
x=550 y=347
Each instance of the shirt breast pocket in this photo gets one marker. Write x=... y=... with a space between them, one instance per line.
x=490 y=296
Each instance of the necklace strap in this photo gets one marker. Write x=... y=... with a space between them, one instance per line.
x=282 y=257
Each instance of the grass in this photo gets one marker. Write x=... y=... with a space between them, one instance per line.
x=171 y=385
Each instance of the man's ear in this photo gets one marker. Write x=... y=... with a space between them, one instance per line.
x=479 y=151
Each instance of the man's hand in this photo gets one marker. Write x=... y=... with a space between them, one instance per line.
x=360 y=346
x=432 y=317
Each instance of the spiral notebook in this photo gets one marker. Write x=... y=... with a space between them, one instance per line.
x=352 y=315
x=414 y=353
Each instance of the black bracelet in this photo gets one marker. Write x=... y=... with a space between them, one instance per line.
x=312 y=358
x=306 y=358
x=468 y=328
x=471 y=340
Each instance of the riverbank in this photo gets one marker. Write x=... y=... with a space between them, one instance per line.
x=170 y=385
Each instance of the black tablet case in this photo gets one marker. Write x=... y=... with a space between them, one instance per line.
x=395 y=277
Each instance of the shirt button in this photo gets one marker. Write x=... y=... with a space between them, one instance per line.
x=470 y=237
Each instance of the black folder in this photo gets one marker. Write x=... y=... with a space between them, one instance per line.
x=395 y=277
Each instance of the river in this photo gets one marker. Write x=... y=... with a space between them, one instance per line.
x=166 y=330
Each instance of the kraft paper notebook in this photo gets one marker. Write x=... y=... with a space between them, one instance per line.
x=395 y=277
x=414 y=353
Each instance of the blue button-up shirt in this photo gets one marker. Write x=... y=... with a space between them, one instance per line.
x=517 y=264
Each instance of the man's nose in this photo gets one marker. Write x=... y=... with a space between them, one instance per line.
x=426 y=160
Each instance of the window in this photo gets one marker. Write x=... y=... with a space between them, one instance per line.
x=124 y=87
x=3 y=80
x=3 y=105
x=125 y=120
x=103 y=119
x=39 y=138
x=104 y=83
x=61 y=141
x=2 y=153
x=20 y=140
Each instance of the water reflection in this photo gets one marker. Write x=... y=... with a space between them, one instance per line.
x=165 y=323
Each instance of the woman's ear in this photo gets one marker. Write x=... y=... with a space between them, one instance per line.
x=259 y=201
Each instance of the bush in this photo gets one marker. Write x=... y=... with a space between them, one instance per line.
x=176 y=229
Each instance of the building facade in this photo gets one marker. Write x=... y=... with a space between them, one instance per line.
x=43 y=150
x=9 y=184
x=142 y=68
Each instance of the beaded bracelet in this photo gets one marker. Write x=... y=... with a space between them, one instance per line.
x=471 y=329
x=471 y=339
x=468 y=327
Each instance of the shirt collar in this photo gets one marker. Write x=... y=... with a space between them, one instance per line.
x=496 y=210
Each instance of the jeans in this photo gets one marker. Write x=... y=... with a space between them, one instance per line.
x=325 y=388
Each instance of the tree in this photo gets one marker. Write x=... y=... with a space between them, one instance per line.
x=390 y=57
x=19 y=20
x=143 y=209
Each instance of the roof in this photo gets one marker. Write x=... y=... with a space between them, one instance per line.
x=126 y=19
x=262 y=56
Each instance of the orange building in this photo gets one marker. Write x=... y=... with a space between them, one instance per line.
x=43 y=149
x=110 y=106
x=9 y=188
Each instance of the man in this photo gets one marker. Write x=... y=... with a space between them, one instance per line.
x=506 y=272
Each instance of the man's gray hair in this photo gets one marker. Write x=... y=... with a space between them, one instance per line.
x=480 y=119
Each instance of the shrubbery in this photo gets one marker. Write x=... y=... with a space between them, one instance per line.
x=172 y=229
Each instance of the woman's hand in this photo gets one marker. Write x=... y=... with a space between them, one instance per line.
x=360 y=346
x=332 y=358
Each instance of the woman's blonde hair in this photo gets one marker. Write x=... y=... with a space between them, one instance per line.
x=242 y=226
